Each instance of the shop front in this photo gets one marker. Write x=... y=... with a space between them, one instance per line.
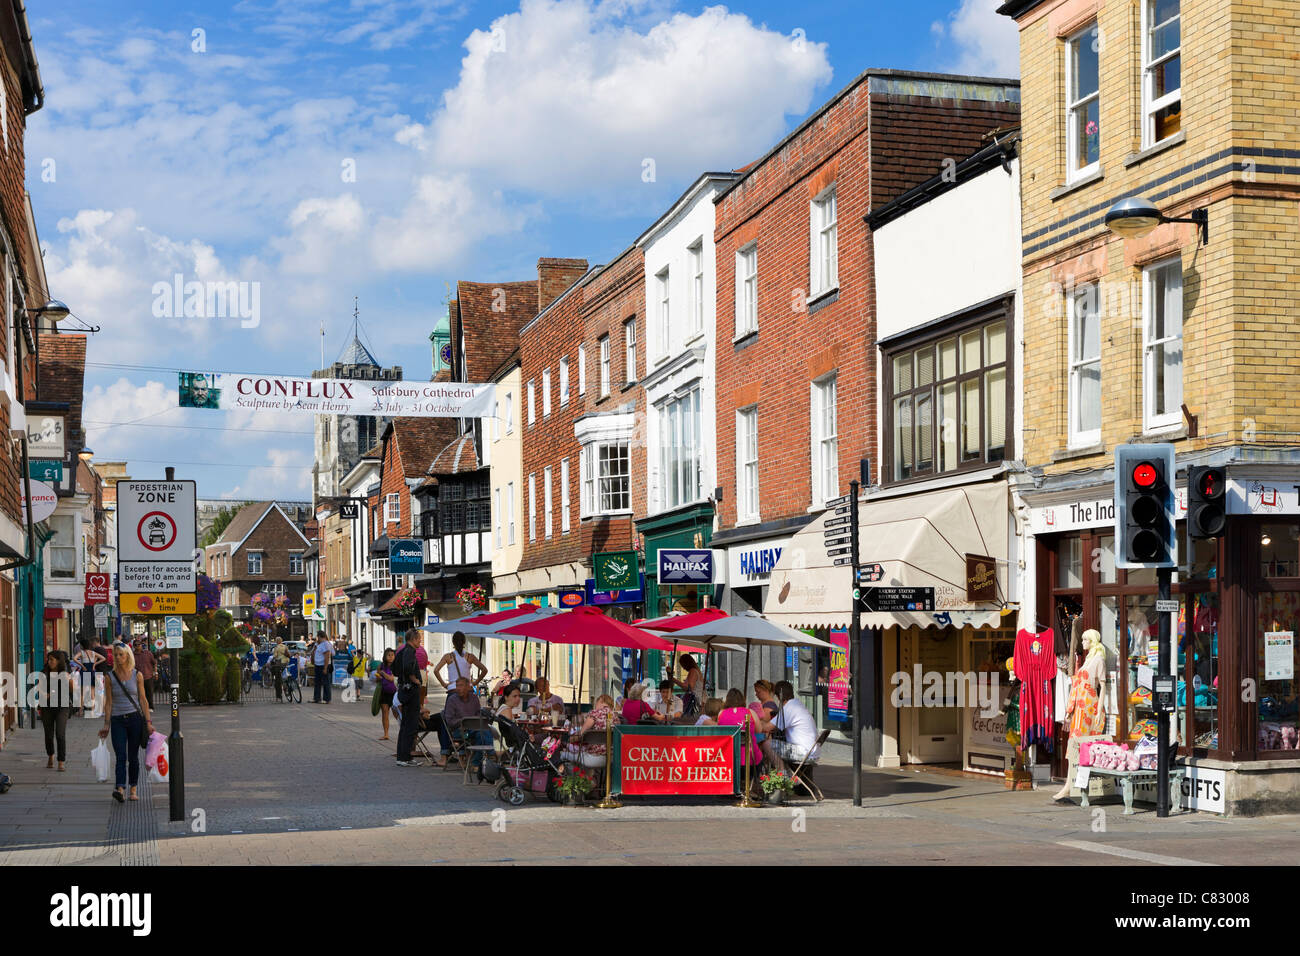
x=934 y=680
x=1233 y=645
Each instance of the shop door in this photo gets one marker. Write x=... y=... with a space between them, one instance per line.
x=936 y=730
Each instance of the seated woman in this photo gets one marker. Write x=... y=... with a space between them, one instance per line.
x=735 y=714
x=634 y=708
x=501 y=683
x=712 y=707
x=669 y=706
x=512 y=706
x=589 y=738
x=765 y=708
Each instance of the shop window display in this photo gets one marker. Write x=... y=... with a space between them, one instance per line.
x=1278 y=615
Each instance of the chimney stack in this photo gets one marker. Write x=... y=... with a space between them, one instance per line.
x=554 y=276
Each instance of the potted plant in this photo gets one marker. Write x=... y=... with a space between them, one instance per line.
x=472 y=598
x=777 y=786
x=408 y=600
x=574 y=786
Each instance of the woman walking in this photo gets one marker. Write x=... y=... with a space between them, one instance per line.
x=126 y=717
x=54 y=697
x=388 y=686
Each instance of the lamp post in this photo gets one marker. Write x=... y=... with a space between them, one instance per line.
x=1136 y=217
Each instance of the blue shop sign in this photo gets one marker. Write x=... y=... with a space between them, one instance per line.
x=686 y=566
x=625 y=596
x=405 y=556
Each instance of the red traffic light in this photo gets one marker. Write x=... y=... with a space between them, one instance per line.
x=1209 y=484
x=1145 y=474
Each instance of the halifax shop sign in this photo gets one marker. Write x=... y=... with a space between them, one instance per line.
x=687 y=566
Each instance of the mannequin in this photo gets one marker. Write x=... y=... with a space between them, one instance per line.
x=1085 y=710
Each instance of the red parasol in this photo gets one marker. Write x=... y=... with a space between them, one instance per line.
x=589 y=625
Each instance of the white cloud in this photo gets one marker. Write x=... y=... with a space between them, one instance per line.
x=564 y=95
x=985 y=42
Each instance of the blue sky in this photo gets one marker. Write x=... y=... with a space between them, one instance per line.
x=326 y=149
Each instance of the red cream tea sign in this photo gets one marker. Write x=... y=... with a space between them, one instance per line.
x=660 y=765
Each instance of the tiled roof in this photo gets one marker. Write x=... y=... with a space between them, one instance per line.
x=458 y=458
x=63 y=378
x=419 y=440
x=490 y=336
x=244 y=521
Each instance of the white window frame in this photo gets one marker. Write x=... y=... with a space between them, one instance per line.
x=593 y=492
x=695 y=254
x=295 y=557
x=532 y=401
x=565 y=515
x=1173 y=269
x=823 y=240
x=532 y=507
x=1151 y=104
x=582 y=370
x=1084 y=438
x=380 y=579
x=510 y=413
x=547 y=501
x=496 y=514
x=1073 y=174
x=392 y=509
x=564 y=380
x=546 y=393
x=663 y=308
x=629 y=349
x=747 y=507
x=250 y=555
x=510 y=512
x=604 y=367
x=681 y=453
x=747 y=289
x=825 y=473
x=496 y=419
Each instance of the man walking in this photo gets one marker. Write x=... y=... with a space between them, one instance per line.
x=148 y=668
x=406 y=669
x=322 y=656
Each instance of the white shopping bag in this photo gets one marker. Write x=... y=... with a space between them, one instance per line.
x=101 y=760
x=158 y=773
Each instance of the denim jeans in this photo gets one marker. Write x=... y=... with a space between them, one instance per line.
x=128 y=732
x=324 y=676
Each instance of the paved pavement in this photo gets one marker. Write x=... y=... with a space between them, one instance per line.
x=52 y=818
x=281 y=783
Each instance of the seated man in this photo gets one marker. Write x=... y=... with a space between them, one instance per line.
x=545 y=701
x=798 y=727
x=461 y=704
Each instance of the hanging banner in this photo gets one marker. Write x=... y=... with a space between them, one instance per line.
x=282 y=393
x=837 y=703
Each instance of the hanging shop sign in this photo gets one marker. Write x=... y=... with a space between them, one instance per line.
x=571 y=598
x=660 y=761
x=315 y=396
x=406 y=556
x=308 y=603
x=981 y=578
x=45 y=437
x=752 y=564
x=45 y=470
x=686 y=566
x=837 y=704
x=96 y=589
x=44 y=501
x=615 y=570
x=634 y=595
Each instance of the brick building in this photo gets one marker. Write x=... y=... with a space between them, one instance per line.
x=1169 y=335
x=797 y=379
x=261 y=550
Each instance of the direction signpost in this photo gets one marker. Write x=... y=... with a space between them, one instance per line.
x=156 y=523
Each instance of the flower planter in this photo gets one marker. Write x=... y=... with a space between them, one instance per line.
x=574 y=799
x=777 y=797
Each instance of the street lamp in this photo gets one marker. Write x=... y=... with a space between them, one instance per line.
x=1136 y=217
x=54 y=310
x=86 y=454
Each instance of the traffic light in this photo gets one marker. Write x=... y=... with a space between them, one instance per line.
x=1144 y=506
x=1206 y=514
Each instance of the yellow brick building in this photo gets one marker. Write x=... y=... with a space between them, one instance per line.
x=1186 y=335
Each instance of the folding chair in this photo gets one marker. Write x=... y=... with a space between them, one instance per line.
x=806 y=766
x=420 y=749
x=467 y=750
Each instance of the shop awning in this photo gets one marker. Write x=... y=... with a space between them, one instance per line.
x=920 y=540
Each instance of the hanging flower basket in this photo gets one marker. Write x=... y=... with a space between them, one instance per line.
x=408 y=600
x=472 y=598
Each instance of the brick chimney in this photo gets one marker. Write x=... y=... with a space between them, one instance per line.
x=556 y=275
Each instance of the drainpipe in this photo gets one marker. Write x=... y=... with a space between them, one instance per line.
x=31 y=533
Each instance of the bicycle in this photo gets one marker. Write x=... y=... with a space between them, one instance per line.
x=292 y=692
x=246 y=680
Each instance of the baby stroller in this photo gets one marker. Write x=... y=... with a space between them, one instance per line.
x=527 y=768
